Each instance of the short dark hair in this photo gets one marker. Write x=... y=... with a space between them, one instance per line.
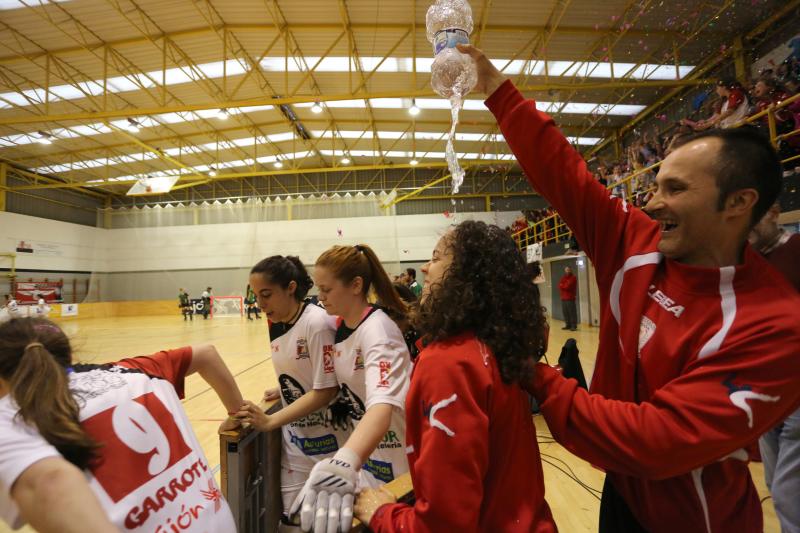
x=412 y=272
x=746 y=160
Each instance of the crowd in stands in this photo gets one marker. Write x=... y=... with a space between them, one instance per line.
x=734 y=102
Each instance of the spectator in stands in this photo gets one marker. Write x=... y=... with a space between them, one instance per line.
x=568 y=286
x=122 y=423
x=780 y=447
x=411 y=281
x=698 y=349
x=735 y=104
x=768 y=92
x=471 y=442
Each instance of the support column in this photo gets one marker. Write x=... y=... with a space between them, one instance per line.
x=739 y=60
x=3 y=185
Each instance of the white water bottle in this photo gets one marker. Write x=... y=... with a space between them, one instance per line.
x=448 y=23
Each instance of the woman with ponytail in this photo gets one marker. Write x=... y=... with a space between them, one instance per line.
x=372 y=366
x=471 y=442
x=39 y=481
x=121 y=422
x=301 y=338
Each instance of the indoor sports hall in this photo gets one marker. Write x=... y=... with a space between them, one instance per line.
x=153 y=151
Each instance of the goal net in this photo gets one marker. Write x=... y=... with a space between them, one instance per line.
x=227 y=306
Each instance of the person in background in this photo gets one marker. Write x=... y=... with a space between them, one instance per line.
x=780 y=446
x=567 y=287
x=206 y=296
x=697 y=353
x=185 y=304
x=372 y=366
x=122 y=422
x=251 y=302
x=469 y=429
x=301 y=340
x=411 y=281
x=11 y=306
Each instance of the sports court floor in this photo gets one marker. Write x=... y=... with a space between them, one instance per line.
x=572 y=485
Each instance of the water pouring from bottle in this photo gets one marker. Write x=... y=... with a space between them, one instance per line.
x=453 y=74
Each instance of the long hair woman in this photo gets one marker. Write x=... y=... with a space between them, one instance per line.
x=122 y=422
x=472 y=446
x=372 y=367
x=301 y=338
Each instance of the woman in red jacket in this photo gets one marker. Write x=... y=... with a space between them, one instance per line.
x=470 y=438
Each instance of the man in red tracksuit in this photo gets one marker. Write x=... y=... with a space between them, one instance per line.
x=699 y=339
x=567 y=286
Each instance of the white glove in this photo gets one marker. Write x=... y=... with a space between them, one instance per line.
x=326 y=500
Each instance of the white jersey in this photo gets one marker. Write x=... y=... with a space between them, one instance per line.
x=21 y=446
x=302 y=354
x=153 y=475
x=373 y=367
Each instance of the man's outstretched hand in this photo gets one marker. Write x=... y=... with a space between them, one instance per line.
x=489 y=78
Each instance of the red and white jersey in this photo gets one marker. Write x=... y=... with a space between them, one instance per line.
x=302 y=354
x=471 y=446
x=152 y=474
x=704 y=359
x=373 y=367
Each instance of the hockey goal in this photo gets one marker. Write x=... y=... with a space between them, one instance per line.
x=227 y=306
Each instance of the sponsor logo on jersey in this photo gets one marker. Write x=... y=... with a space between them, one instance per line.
x=390 y=441
x=359 y=363
x=646 y=330
x=380 y=470
x=327 y=359
x=385 y=367
x=140 y=441
x=739 y=395
x=302 y=349
x=138 y=515
x=315 y=445
x=665 y=301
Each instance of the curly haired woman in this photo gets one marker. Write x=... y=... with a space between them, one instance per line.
x=471 y=442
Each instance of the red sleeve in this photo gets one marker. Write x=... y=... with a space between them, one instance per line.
x=572 y=282
x=560 y=175
x=719 y=405
x=455 y=394
x=171 y=365
x=735 y=99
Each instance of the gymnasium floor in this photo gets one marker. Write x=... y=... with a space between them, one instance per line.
x=245 y=349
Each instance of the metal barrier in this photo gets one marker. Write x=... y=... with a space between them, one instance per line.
x=250 y=478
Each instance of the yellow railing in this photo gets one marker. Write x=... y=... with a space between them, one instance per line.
x=553 y=229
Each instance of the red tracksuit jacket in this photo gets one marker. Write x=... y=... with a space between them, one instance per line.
x=693 y=363
x=567 y=287
x=472 y=448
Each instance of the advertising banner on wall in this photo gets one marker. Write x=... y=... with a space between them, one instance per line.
x=29 y=292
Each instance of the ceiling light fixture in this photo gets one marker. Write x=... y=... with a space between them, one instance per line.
x=223 y=114
x=278 y=164
x=413 y=110
x=345 y=161
x=413 y=162
x=316 y=108
x=212 y=172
